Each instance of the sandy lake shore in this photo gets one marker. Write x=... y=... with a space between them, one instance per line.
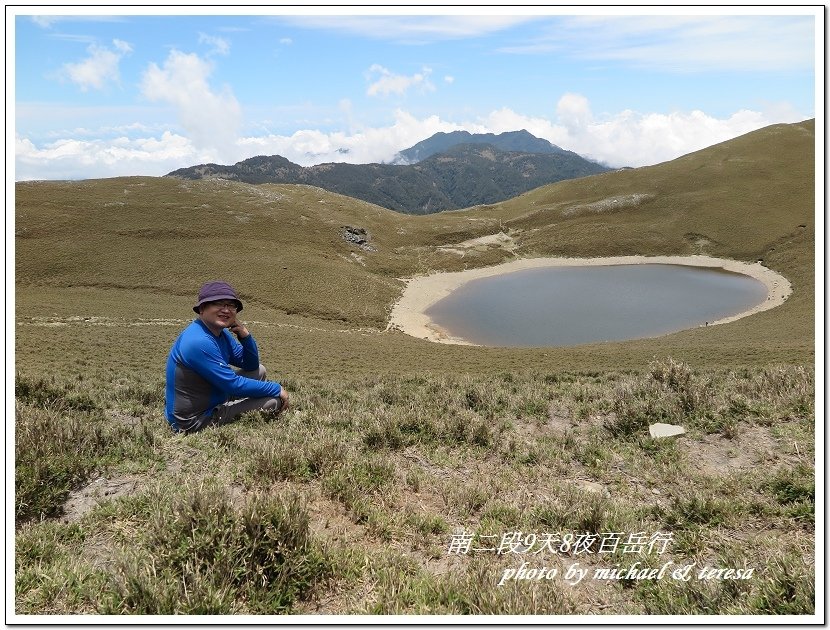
x=421 y=292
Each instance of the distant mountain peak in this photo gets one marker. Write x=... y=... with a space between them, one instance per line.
x=521 y=141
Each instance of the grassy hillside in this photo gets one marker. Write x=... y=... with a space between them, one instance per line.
x=283 y=247
x=396 y=446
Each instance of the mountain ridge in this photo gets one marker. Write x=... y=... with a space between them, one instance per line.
x=460 y=176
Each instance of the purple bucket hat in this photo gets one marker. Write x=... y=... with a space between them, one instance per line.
x=216 y=290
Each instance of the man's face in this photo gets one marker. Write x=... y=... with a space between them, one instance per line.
x=219 y=314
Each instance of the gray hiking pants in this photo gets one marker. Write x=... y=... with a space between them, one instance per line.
x=226 y=412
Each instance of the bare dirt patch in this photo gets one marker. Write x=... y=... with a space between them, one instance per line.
x=617 y=202
x=123 y=418
x=560 y=419
x=84 y=500
x=718 y=456
x=482 y=243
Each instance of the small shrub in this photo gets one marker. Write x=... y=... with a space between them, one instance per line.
x=50 y=394
x=573 y=512
x=696 y=510
x=356 y=483
x=281 y=460
x=414 y=478
x=787 y=587
x=277 y=460
x=501 y=514
x=635 y=408
x=795 y=491
x=202 y=556
x=384 y=432
x=466 y=427
x=469 y=498
x=426 y=524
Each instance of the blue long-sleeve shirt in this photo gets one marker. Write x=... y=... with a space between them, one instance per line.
x=199 y=374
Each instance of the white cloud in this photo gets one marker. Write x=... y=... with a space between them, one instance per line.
x=100 y=67
x=44 y=21
x=219 y=45
x=626 y=138
x=411 y=29
x=103 y=132
x=85 y=159
x=386 y=83
x=630 y=138
x=211 y=118
x=369 y=145
x=574 y=111
x=683 y=43
x=449 y=79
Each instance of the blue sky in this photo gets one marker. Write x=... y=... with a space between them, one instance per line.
x=129 y=94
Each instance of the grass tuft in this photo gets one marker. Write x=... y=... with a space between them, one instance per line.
x=205 y=556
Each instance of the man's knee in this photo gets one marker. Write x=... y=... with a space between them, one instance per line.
x=257 y=374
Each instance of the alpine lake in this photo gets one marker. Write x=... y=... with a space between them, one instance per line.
x=566 y=306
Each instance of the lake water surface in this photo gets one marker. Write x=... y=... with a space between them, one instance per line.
x=564 y=306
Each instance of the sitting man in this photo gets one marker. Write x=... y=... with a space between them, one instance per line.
x=202 y=387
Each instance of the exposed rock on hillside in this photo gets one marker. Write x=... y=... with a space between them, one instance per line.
x=359 y=237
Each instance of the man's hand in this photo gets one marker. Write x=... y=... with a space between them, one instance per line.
x=284 y=399
x=238 y=328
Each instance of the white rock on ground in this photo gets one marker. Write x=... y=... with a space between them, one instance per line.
x=661 y=430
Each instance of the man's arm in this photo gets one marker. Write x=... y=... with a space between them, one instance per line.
x=245 y=353
x=202 y=355
x=250 y=350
